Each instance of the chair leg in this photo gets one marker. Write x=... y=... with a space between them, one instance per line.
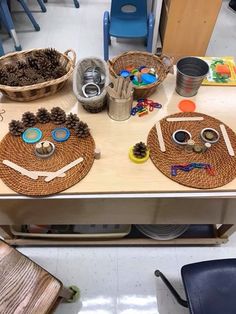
x=9 y=23
x=171 y=288
x=151 y=22
x=1 y=48
x=45 y=1
x=76 y=2
x=42 y=5
x=71 y=294
x=30 y=15
x=106 y=35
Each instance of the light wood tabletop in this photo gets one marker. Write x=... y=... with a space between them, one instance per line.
x=114 y=172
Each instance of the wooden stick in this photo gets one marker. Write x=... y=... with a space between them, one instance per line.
x=64 y=169
x=180 y=119
x=227 y=140
x=20 y=169
x=160 y=137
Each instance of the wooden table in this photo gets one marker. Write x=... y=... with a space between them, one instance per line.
x=117 y=191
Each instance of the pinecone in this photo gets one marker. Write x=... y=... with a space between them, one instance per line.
x=21 y=65
x=16 y=128
x=29 y=119
x=58 y=115
x=33 y=62
x=3 y=77
x=58 y=72
x=53 y=56
x=11 y=69
x=12 y=80
x=71 y=121
x=43 y=116
x=140 y=150
x=82 y=129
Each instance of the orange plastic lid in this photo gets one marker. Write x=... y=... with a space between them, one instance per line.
x=145 y=70
x=187 y=105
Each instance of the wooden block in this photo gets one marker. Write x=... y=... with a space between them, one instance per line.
x=227 y=140
x=160 y=137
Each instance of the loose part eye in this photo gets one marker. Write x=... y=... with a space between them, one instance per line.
x=181 y=137
x=32 y=135
x=210 y=135
x=60 y=134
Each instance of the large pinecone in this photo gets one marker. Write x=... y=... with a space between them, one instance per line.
x=3 y=77
x=82 y=129
x=53 y=56
x=140 y=150
x=58 y=115
x=71 y=120
x=43 y=115
x=16 y=128
x=33 y=62
x=29 y=119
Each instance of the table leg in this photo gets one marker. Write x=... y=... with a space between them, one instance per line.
x=5 y=233
x=226 y=230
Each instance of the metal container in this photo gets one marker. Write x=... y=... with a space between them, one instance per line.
x=119 y=108
x=190 y=73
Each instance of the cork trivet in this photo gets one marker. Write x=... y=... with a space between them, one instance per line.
x=14 y=149
x=217 y=155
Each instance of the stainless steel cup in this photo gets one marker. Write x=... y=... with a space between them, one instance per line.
x=119 y=109
x=190 y=73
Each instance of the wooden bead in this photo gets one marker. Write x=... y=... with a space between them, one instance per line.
x=97 y=153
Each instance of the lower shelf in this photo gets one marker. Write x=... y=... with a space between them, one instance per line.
x=196 y=235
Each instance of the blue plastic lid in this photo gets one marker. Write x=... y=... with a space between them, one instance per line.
x=148 y=78
x=60 y=134
x=124 y=73
x=32 y=135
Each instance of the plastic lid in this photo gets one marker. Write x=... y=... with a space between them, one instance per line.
x=148 y=78
x=32 y=135
x=124 y=73
x=187 y=105
x=60 y=134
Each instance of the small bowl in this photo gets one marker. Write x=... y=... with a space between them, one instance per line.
x=188 y=137
x=44 y=156
x=216 y=135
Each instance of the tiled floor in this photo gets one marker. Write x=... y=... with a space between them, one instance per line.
x=114 y=280
x=121 y=280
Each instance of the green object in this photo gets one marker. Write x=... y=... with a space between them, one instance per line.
x=76 y=294
x=134 y=71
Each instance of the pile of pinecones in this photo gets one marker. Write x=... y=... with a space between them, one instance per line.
x=56 y=116
x=40 y=66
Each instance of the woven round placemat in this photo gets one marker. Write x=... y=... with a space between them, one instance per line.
x=14 y=149
x=217 y=156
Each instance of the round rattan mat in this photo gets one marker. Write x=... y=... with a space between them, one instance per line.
x=217 y=156
x=14 y=149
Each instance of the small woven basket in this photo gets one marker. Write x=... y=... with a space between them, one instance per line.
x=163 y=65
x=36 y=91
x=93 y=104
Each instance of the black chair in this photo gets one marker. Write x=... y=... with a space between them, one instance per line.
x=210 y=287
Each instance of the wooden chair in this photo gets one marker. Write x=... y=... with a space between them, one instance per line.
x=25 y=287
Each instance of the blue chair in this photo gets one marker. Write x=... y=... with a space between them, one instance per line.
x=6 y=18
x=210 y=287
x=1 y=48
x=42 y=5
x=129 y=19
x=76 y=2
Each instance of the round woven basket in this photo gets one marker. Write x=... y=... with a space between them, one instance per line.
x=163 y=65
x=36 y=91
x=93 y=104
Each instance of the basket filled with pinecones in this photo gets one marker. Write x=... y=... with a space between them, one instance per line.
x=35 y=73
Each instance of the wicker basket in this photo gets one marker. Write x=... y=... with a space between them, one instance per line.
x=93 y=104
x=36 y=91
x=163 y=65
